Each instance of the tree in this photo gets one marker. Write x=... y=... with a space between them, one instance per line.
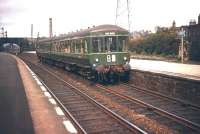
x=163 y=42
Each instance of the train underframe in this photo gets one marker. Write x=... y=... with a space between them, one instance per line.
x=101 y=74
x=112 y=73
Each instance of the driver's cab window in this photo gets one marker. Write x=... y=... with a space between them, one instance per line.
x=110 y=44
x=122 y=44
x=97 y=45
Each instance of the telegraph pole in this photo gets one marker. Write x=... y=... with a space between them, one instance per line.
x=182 y=46
x=31 y=36
x=31 y=31
x=50 y=28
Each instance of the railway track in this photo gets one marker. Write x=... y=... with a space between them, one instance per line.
x=188 y=110
x=88 y=115
x=124 y=95
x=183 y=111
x=183 y=124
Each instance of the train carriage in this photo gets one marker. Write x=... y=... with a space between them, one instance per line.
x=98 y=53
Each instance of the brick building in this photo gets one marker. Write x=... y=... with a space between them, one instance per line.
x=193 y=39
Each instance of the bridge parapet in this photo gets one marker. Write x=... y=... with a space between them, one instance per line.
x=24 y=43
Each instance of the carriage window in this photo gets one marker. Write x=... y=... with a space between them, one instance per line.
x=72 y=47
x=78 y=47
x=62 y=46
x=67 y=47
x=55 y=46
x=97 y=45
x=82 y=46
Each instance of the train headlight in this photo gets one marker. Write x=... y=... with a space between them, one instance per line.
x=125 y=58
x=97 y=60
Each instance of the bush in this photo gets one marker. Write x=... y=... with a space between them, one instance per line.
x=161 y=43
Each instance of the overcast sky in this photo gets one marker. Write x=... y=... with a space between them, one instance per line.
x=16 y=16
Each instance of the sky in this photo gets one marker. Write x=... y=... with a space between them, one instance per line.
x=16 y=16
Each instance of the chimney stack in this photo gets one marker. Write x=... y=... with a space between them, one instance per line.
x=31 y=31
x=50 y=28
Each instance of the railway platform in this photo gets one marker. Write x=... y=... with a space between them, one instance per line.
x=190 y=71
x=181 y=81
x=26 y=107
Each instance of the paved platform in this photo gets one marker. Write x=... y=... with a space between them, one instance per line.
x=25 y=107
x=15 y=117
x=191 y=71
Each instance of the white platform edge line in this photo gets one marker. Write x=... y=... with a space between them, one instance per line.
x=68 y=125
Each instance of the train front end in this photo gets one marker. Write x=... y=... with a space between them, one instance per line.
x=109 y=55
x=111 y=67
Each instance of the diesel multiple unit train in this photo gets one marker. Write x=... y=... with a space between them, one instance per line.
x=98 y=53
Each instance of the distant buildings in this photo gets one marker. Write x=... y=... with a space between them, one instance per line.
x=140 y=34
x=192 y=39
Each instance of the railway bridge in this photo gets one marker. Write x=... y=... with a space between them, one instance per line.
x=24 y=43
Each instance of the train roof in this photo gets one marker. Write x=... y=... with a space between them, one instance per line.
x=88 y=31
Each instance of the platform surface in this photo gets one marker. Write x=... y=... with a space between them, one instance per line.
x=25 y=108
x=15 y=117
x=170 y=68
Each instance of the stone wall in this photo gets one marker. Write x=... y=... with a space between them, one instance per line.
x=172 y=86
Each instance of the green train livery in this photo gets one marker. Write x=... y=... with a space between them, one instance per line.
x=99 y=53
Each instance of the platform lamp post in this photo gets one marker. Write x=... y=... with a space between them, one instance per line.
x=38 y=36
x=31 y=36
x=182 y=49
x=182 y=34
